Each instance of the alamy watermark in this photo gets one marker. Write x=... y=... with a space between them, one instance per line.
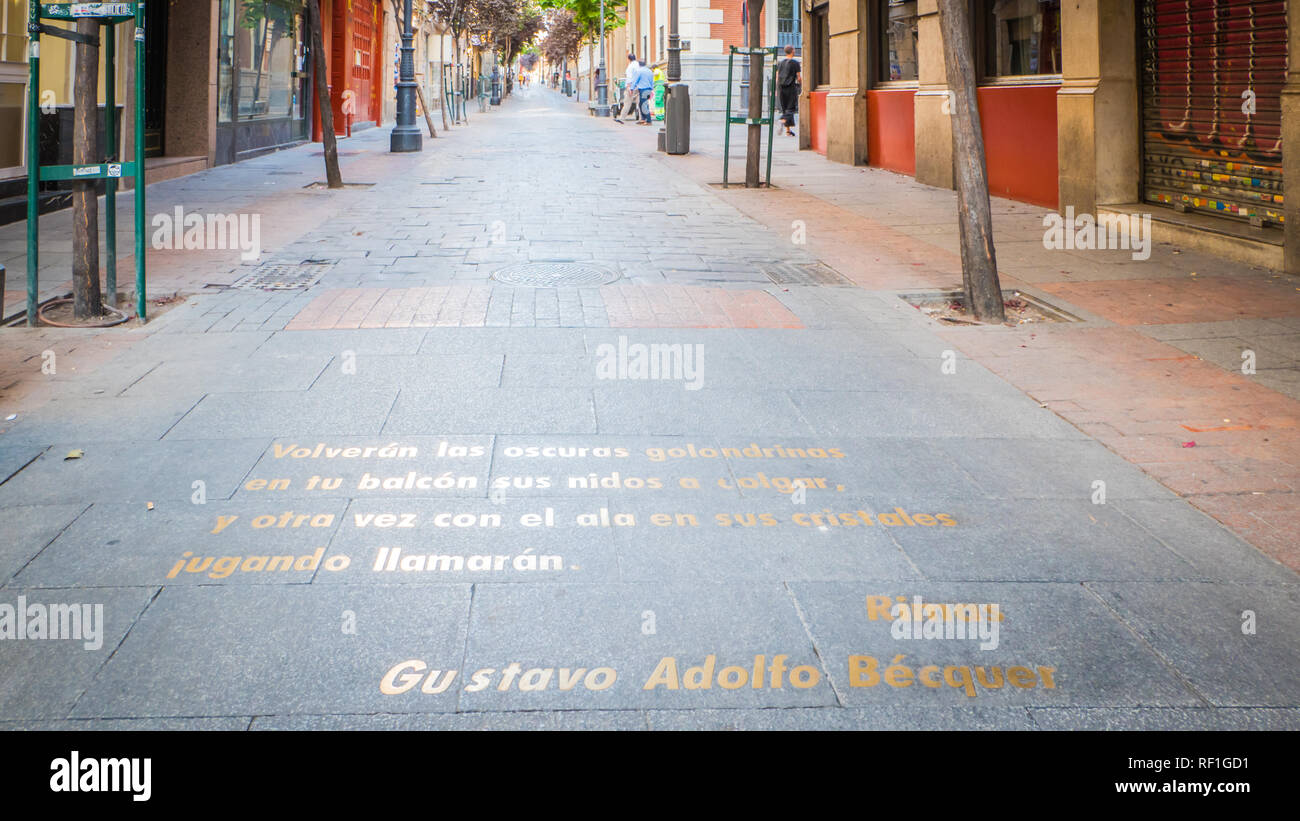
x=52 y=622
x=1085 y=232
x=208 y=232
x=637 y=360
x=921 y=620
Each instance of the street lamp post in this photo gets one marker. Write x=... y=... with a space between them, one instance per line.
x=406 y=136
x=677 y=95
x=602 y=84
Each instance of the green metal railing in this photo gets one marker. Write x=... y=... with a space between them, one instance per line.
x=111 y=170
x=768 y=121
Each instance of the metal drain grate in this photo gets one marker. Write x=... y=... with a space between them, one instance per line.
x=554 y=275
x=284 y=276
x=803 y=273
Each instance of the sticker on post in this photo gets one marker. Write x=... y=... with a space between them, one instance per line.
x=101 y=10
x=139 y=34
x=86 y=171
x=115 y=169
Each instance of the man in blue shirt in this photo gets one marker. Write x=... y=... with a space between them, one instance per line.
x=645 y=85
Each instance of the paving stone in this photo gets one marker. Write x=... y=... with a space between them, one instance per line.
x=667 y=407
x=284 y=413
x=1089 y=658
x=252 y=374
x=1204 y=543
x=913 y=414
x=981 y=718
x=1163 y=719
x=595 y=626
x=493 y=410
x=1203 y=630
x=110 y=419
x=294 y=656
x=182 y=543
x=1030 y=540
x=29 y=529
x=412 y=372
x=144 y=471
x=565 y=720
x=45 y=678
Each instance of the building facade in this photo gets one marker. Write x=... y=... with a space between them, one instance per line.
x=708 y=29
x=226 y=80
x=1185 y=109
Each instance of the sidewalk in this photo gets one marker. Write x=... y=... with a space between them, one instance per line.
x=546 y=433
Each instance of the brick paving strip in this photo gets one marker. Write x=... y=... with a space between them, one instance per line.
x=477 y=306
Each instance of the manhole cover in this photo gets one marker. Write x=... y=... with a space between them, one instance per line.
x=554 y=275
x=282 y=276
x=811 y=273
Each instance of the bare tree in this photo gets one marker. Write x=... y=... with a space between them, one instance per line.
x=333 y=176
x=979 y=266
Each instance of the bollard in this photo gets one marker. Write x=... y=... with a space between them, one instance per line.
x=677 y=119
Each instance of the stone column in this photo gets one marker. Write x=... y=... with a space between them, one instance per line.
x=1291 y=145
x=846 y=102
x=933 y=123
x=1098 y=142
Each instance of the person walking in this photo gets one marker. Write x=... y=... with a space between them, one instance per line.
x=645 y=86
x=631 y=99
x=788 y=77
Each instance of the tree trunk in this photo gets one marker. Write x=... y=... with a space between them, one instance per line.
x=333 y=177
x=87 y=300
x=978 y=261
x=754 y=144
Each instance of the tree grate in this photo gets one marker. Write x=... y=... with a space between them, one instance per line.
x=283 y=276
x=554 y=275
x=803 y=273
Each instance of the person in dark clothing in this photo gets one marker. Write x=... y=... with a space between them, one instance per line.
x=788 y=77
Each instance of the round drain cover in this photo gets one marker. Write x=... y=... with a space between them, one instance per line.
x=554 y=275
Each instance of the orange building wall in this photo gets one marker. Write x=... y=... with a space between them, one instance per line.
x=817 y=120
x=1019 y=127
x=891 y=130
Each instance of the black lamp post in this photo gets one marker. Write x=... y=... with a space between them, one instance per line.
x=406 y=136
x=602 y=83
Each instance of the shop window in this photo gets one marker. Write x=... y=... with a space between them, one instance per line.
x=1021 y=37
x=898 y=40
x=261 y=59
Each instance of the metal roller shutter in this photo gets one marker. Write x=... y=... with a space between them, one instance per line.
x=1206 y=63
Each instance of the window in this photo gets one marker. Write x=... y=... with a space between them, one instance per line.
x=13 y=31
x=1021 y=37
x=13 y=85
x=898 y=40
x=787 y=25
x=260 y=60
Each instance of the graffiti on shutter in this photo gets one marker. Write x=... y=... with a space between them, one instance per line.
x=1211 y=103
